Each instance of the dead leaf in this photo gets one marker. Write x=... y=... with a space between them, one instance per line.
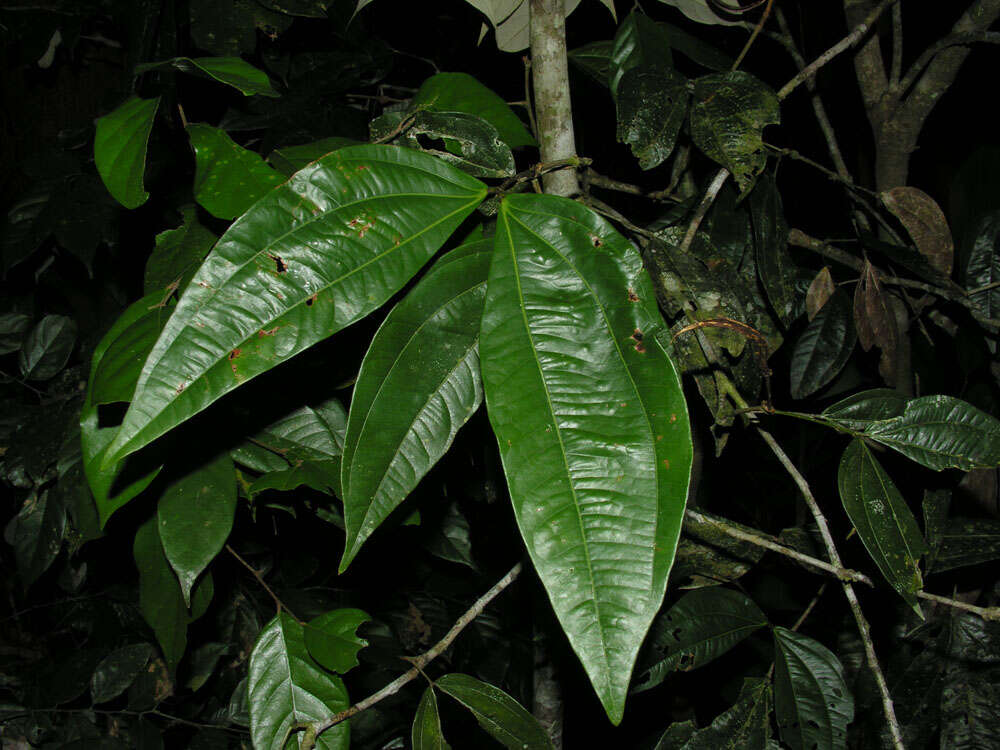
x=820 y=291
x=926 y=224
x=875 y=321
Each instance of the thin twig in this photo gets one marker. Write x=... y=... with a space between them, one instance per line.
x=799 y=238
x=812 y=604
x=759 y=540
x=608 y=183
x=753 y=35
x=987 y=613
x=260 y=579
x=527 y=97
x=315 y=729
x=848 y=41
x=706 y=202
x=852 y=598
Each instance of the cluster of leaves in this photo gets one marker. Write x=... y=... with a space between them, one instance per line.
x=182 y=437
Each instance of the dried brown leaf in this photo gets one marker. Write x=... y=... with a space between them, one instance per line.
x=820 y=291
x=926 y=224
x=875 y=321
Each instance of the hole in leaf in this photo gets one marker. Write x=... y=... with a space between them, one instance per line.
x=279 y=265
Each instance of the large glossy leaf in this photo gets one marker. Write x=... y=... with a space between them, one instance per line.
x=824 y=347
x=178 y=253
x=744 y=726
x=290 y=159
x=942 y=432
x=426 y=733
x=36 y=533
x=120 y=149
x=332 y=639
x=47 y=347
x=285 y=687
x=195 y=515
x=232 y=71
x=700 y=627
x=315 y=255
x=407 y=407
x=594 y=59
x=770 y=238
x=862 y=409
x=883 y=520
x=228 y=178
x=591 y=422
x=652 y=103
x=639 y=42
x=460 y=92
x=811 y=698
x=499 y=714
x=728 y=114
x=160 y=599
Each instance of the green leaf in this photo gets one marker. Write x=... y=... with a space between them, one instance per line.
x=460 y=92
x=178 y=253
x=195 y=515
x=322 y=476
x=47 y=347
x=118 y=670
x=811 y=698
x=510 y=18
x=676 y=735
x=770 y=237
x=594 y=59
x=982 y=265
x=201 y=664
x=120 y=149
x=232 y=71
x=696 y=49
x=652 y=103
x=942 y=432
x=228 y=178
x=407 y=407
x=466 y=141
x=13 y=326
x=700 y=627
x=729 y=112
x=332 y=640
x=824 y=347
x=701 y=11
x=231 y=27
x=426 y=733
x=744 y=726
x=451 y=540
x=36 y=533
x=290 y=159
x=285 y=688
x=271 y=287
x=160 y=599
x=857 y=412
x=499 y=714
x=964 y=542
x=639 y=43
x=883 y=520
x=591 y=422
x=118 y=360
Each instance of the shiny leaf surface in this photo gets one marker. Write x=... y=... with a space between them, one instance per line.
x=811 y=698
x=332 y=639
x=639 y=43
x=728 y=114
x=942 y=432
x=591 y=422
x=699 y=628
x=315 y=255
x=285 y=687
x=407 y=406
x=824 y=347
x=194 y=516
x=118 y=360
x=882 y=519
x=120 y=149
x=982 y=265
x=290 y=159
x=862 y=409
x=499 y=714
x=47 y=347
x=228 y=178
x=426 y=733
x=232 y=71
x=460 y=92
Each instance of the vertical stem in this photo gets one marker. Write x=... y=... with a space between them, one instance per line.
x=550 y=76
